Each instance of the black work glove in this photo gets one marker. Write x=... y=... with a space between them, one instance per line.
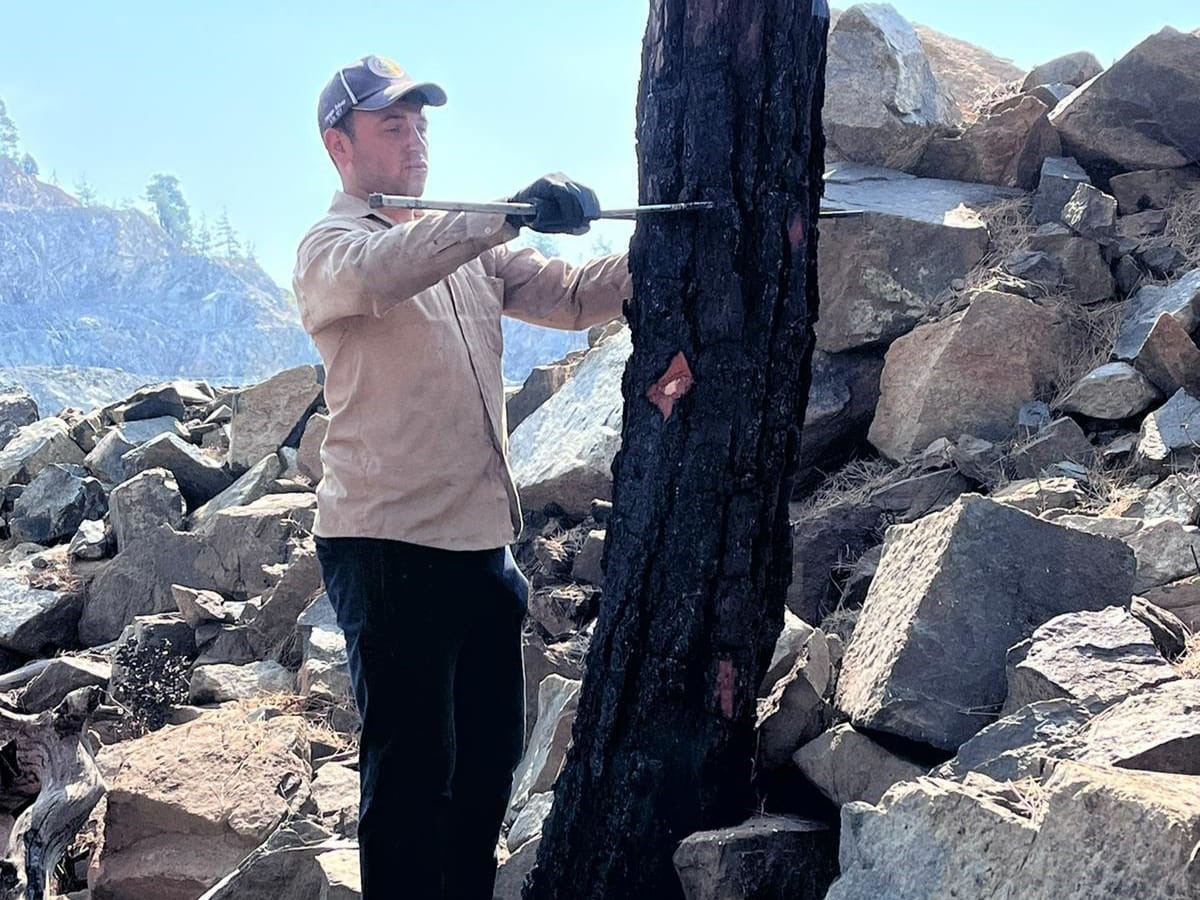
x=563 y=206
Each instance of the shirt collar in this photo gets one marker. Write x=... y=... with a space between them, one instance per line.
x=348 y=205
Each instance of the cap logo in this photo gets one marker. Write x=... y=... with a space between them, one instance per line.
x=384 y=67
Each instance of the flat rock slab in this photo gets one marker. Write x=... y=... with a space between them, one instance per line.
x=1156 y=730
x=953 y=592
x=847 y=766
x=767 y=856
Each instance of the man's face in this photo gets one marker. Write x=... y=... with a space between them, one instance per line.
x=389 y=152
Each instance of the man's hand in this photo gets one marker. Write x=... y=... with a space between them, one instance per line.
x=563 y=206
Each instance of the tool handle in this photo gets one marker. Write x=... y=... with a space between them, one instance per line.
x=377 y=201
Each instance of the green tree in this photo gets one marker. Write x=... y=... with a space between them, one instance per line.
x=202 y=237
x=542 y=243
x=84 y=192
x=166 y=196
x=601 y=246
x=8 y=134
x=29 y=166
x=227 y=240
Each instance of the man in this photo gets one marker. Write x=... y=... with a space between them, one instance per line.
x=416 y=506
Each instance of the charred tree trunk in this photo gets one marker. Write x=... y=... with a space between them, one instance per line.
x=699 y=547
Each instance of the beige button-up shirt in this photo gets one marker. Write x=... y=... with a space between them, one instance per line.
x=406 y=318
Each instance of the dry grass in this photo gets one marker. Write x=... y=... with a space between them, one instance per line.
x=853 y=483
x=320 y=715
x=1183 y=226
x=1109 y=489
x=1092 y=333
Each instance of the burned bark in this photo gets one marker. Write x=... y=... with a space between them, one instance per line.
x=699 y=554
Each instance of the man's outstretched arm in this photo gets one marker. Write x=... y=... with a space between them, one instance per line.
x=557 y=294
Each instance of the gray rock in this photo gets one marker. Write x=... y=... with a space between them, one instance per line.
x=1163 y=262
x=1096 y=658
x=272 y=414
x=153 y=401
x=35 y=621
x=55 y=503
x=1052 y=94
x=308 y=459
x=1152 y=189
x=1169 y=358
x=17 y=408
x=792 y=641
x=1137 y=114
x=1176 y=497
x=883 y=103
x=563 y=452
x=335 y=791
x=822 y=540
x=324 y=672
x=1157 y=730
x=1073 y=69
x=1091 y=213
x=144 y=504
x=1180 y=300
x=35 y=446
x=528 y=824
x=200 y=477
x=1167 y=630
x=920 y=495
x=926 y=661
x=542 y=384
x=224 y=644
x=1180 y=598
x=968 y=374
x=1165 y=550
x=199 y=607
x=558 y=699
x=139 y=431
x=841 y=402
x=256 y=482
x=847 y=766
x=93 y=540
x=874 y=290
x=105 y=461
x=1171 y=430
x=1036 y=495
x=1113 y=391
x=1059 y=179
x=1062 y=441
x=1019 y=745
x=511 y=875
x=766 y=856
x=221 y=682
x=281 y=606
x=1004 y=146
x=1076 y=263
x=587 y=563
x=797 y=709
x=62 y=675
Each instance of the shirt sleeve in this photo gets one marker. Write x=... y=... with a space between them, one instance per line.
x=557 y=294
x=345 y=269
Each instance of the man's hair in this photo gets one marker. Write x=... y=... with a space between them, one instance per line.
x=346 y=124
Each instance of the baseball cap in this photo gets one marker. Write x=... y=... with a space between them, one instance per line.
x=372 y=82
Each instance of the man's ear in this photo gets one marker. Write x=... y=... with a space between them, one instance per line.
x=338 y=145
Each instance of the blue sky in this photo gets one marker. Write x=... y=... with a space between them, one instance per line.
x=222 y=94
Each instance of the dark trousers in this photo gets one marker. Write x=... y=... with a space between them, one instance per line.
x=433 y=639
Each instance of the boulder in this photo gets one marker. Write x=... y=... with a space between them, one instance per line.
x=1086 y=831
x=968 y=374
x=142 y=505
x=882 y=102
x=1076 y=264
x=926 y=660
x=797 y=709
x=587 y=563
x=1170 y=431
x=564 y=658
x=542 y=383
x=1091 y=213
x=1112 y=391
x=281 y=605
x=256 y=482
x=1096 y=658
x=336 y=794
x=308 y=458
x=1150 y=189
x=105 y=459
x=1138 y=113
x=1169 y=358
x=140 y=431
x=200 y=607
x=35 y=621
x=55 y=503
x=766 y=856
x=187 y=803
x=1176 y=497
x=36 y=446
x=93 y=540
x=1180 y=300
x=512 y=872
x=558 y=699
x=847 y=766
x=272 y=414
x=824 y=537
x=1157 y=730
x=528 y=824
x=1005 y=146
x=1020 y=745
x=324 y=670
x=1036 y=495
x=563 y=452
x=841 y=402
x=221 y=682
x=200 y=476
x=1181 y=598
x=1073 y=69
x=17 y=408
x=873 y=288
x=792 y=641
x=911 y=498
x=1167 y=630
x=1165 y=550
x=62 y=675
x=1059 y=179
